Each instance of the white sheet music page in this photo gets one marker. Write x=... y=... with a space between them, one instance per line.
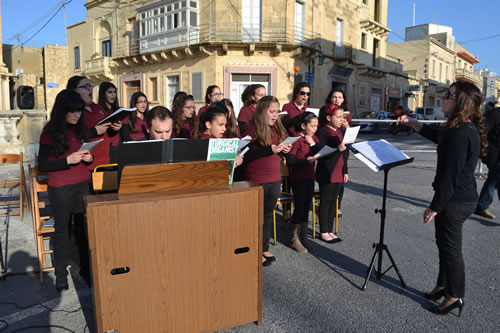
x=380 y=152
x=326 y=150
x=351 y=134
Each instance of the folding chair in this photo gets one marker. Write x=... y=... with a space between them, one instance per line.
x=103 y=179
x=40 y=212
x=285 y=198
x=14 y=182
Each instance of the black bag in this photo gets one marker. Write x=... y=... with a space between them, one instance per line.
x=491 y=159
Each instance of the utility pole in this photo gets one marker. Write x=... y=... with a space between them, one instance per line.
x=66 y=36
x=19 y=69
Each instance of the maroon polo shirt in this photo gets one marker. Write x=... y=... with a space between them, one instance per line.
x=246 y=113
x=293 y=110
x=203 y=109
x=337 y=175
x=140 y=127
x=186 y=131
x=76 y=173
x=101 y=152
x=207 y=136
x=302 y=150
x=265 y=169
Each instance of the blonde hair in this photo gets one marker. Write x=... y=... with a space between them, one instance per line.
x=263 y=135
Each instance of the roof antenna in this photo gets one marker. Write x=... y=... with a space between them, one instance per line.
x=414 y=14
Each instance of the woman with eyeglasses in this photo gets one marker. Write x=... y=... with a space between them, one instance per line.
x=212 y=95
x=134 y=127
x=186 y=120
x=298 y=104
x=460 y=141
x=93 y=114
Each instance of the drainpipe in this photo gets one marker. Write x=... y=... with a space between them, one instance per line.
x=355 y=100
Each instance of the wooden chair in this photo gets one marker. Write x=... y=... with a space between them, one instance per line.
x=40 y=213
x=14 y=182
x=105 y=180
x=315 y=202
x=285 y=198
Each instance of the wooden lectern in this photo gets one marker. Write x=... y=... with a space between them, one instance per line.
x=177 y=249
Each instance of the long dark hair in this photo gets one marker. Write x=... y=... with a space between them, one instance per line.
x=328 y=99
x=66 y=101
x=177 y=110
x=74 y=81
x=248 y=94
x=232 y=130
x=468 y=108
x=259 y=120
x=209 y=115
x=103 y=87
x=133 y=115
x=210 y=90
x=177 y=95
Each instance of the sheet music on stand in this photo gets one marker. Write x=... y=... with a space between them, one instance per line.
x=378 y=153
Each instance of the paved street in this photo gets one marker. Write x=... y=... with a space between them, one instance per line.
x=320 y=291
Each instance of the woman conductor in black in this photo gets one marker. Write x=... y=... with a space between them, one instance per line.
x=461 y=141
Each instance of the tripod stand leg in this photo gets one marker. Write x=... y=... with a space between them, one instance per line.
x=370 y=268
x=403 y=284
x=2 y=267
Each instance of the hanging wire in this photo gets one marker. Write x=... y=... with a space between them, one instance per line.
x=50 y=19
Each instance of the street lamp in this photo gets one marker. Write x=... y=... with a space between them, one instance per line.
x=315 y=47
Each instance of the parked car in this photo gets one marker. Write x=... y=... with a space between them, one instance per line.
x=431 y=113
x=417 y=116
x=377 y=127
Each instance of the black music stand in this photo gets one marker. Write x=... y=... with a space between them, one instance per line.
x=3 y=273
x=380 y=247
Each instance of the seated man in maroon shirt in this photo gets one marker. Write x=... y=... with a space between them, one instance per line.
x=159 y=123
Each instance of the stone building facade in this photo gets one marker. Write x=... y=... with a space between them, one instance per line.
x=45 y=69
x=161 y=47
x=433 y=60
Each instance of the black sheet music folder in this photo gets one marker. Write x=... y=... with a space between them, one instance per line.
x=161 y=152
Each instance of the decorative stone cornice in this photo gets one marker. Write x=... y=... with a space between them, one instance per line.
x=374 y=27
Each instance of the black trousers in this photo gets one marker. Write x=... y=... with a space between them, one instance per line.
x=341 y=195
x=303 y=191
x=271 y=195
x=328 y=200
x=67 y=206
x=449 y=224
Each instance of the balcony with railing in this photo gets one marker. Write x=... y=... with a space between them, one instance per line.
x=342 y=51
x=219 y=33
x=463 y=74
x=100 y=68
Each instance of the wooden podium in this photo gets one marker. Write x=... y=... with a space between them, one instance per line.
x=177 y=249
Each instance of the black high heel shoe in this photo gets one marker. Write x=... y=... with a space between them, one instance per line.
x=459 y=303
x=435 y=296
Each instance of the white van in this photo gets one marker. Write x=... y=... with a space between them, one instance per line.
x=431 y=112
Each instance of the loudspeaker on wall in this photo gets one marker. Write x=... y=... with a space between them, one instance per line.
x=25 y=97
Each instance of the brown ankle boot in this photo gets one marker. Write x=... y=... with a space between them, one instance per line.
x=304 y=229
x=296 y=244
